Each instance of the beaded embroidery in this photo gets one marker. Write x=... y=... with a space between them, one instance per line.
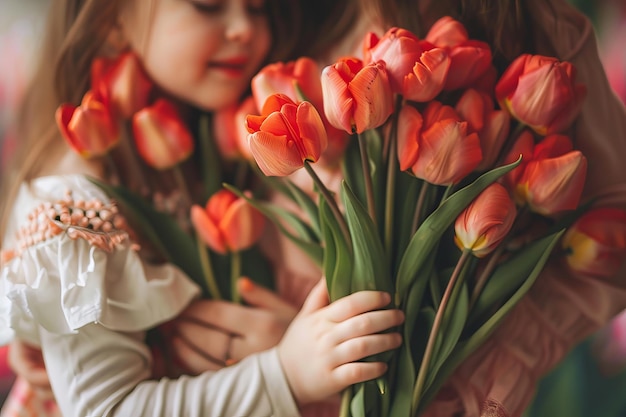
x=98 y=223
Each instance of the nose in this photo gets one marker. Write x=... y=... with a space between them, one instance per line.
x=239 y=27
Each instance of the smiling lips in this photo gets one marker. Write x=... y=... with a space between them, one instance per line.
x=233 y=67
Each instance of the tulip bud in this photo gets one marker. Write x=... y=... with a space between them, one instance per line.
x=596 y=244
x=486 y=221
x=552 y=185
x=227 y=223
x=357 y=97
x=285 y=135
x=90 y=129
x=124 y=81
x=541 y=92
x=161 y=137
x=469 y=59
x=231 y=135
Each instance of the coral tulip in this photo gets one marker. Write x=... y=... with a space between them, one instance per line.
x=90 y=129
x=302 y=74
x=124 y=81
x=541 y=92
x=486 y=221
x=231 y=135
x=491 y=125
x=227 y=223
x=436 y=146
x=161 y=137
x=470 y=59
x=357 y=97
x=417 y=69
x=551 y=185
x=285 y=135
x=596 y=244
x=523 y=146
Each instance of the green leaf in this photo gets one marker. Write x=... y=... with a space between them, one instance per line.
x=429 y=233
x=529 y=262
x=338 y=262
x=211 y=161
x=357 y=405
x=308 y=205
x=370 y=269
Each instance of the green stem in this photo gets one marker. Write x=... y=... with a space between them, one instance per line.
x=417 y=216
x=367 y=177
x=392 y=166
x=346 y=399
x=434 y=332
x=235 y=273
x=484 y=276
x=331 y=202
x=207 y=269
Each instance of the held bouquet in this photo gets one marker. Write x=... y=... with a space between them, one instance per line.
x=457 y=184
x=122 y=121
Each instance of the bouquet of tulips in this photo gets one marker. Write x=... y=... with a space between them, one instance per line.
x=120 y=117
x=457 y=183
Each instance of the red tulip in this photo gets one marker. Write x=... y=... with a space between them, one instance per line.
x=161 y=137
x=124 y=81
x=231 y=135
x=293 y=79
x=227 y=223
x=470 y=59
x=554 y=184
x=486 y=221
x=416 y=69
x=523 y=146
x=596 y=244
x=437 y=146
x=541 y=92
x=357 y=97
x=491 y=125
x=285 y=135
x=90 y=129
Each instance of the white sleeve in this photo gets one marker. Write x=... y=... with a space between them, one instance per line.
x=98 y=372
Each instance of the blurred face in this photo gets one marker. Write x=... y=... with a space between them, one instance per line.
x=204 y=52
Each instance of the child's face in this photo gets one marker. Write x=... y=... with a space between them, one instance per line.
x=204 y=52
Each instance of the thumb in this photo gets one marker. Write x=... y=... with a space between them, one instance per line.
x=257 y=296
x=317 y=298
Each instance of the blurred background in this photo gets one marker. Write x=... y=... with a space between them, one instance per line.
x=591 y=382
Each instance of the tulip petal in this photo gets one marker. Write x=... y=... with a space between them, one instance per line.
x=275 y=155
x=338 y=102
x=409 y=131
x=207 y=230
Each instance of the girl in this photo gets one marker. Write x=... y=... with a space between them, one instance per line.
x=562 y=308
x=87 y=304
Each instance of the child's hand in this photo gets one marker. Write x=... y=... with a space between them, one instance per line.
x=321 y=347
x=211 y=334
x=27 y=362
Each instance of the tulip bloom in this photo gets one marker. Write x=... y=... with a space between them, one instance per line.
x=486 y=221
x=470 y=59
x=491 y=125
x=357 y=97
x=523 y=146
x=285 y=135
x=596 y=244
x=437 y=146
x=551 y=185
x=124 y=81
x=161 y=137
x=227 y=223
x=541 y=92
x=302 y=74
x=416 y=69
x=90 y=129
x=231 y=135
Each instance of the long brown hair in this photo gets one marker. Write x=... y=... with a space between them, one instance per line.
x=77 y=30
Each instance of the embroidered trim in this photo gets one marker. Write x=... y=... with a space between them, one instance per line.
x=98 y=223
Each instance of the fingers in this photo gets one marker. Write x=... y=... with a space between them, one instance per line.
x=220 y=315
x=27 y=362
x=317 y=298
x=355 y=372
x=357 y=303
x=260 y=297
x=358 y=348
x=192 y=359
x=367 y=323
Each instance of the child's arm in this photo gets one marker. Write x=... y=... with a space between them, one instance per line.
x=100 y=372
